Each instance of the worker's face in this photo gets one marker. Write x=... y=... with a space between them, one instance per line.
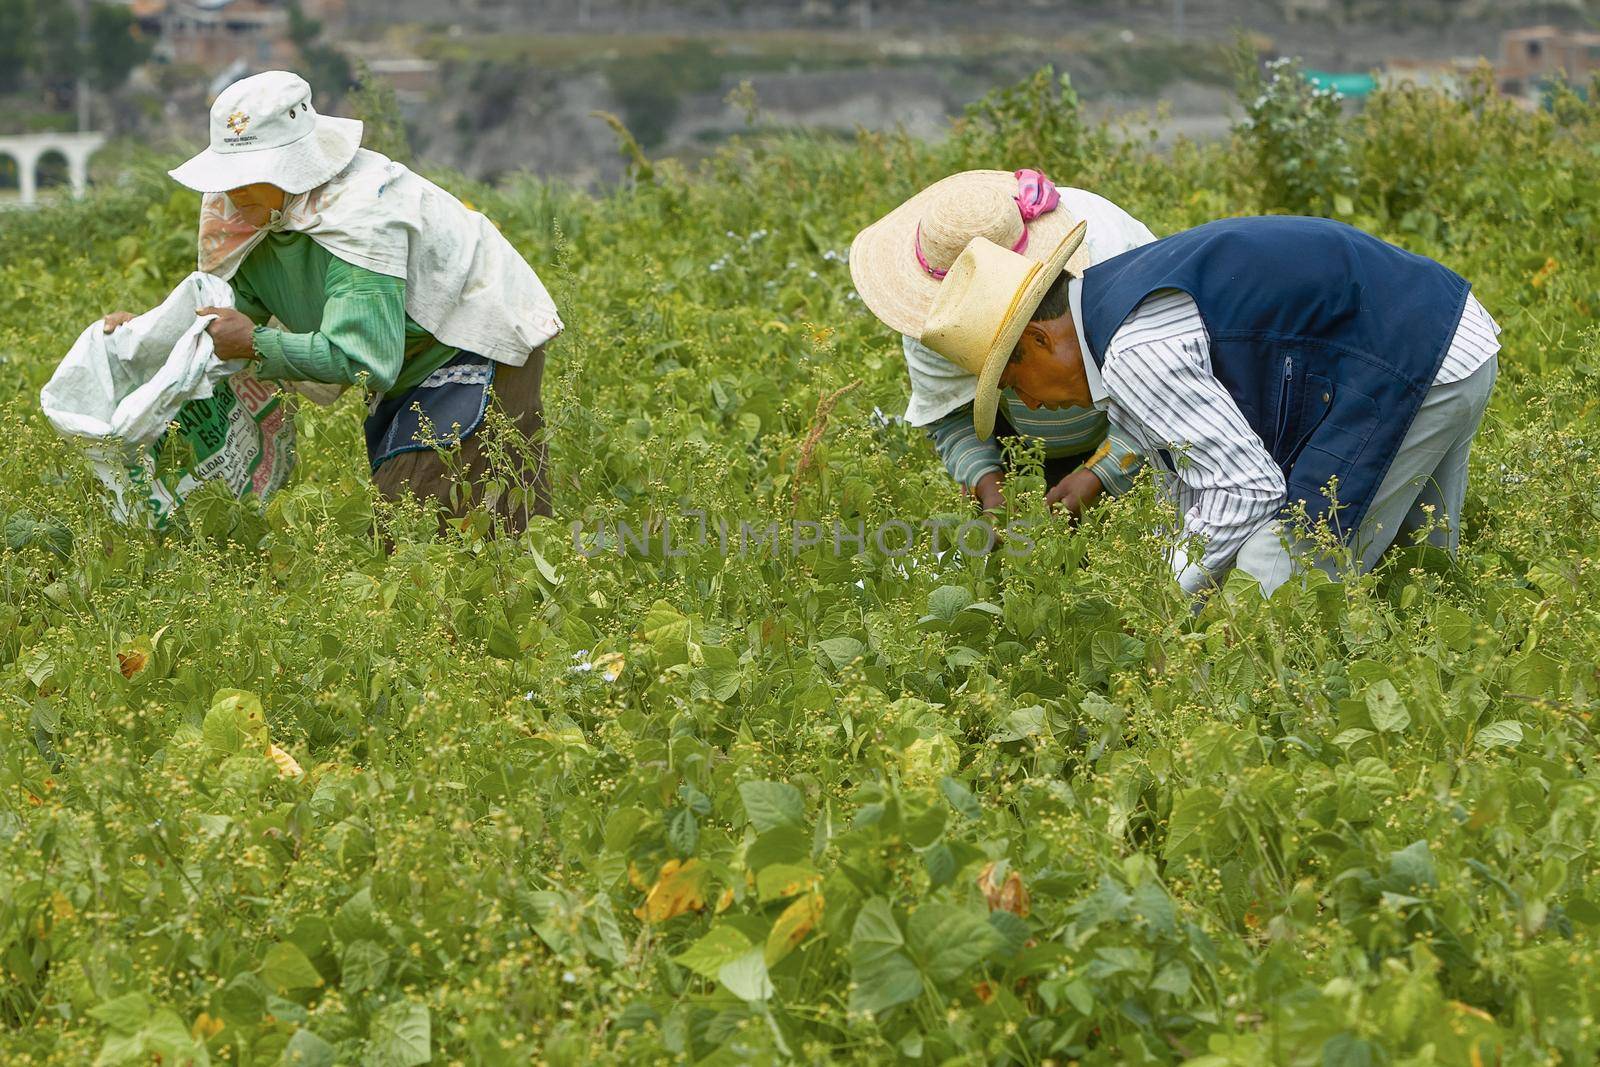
x=257 y=202
x=1046 y=368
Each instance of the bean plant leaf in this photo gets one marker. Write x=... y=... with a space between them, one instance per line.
x=1388 y=711
x=771 y=805
x=124 y=1014
x=665 y=625
x=746 y=976
x=401 y=1036
x=683 y=832
x=841 y=651
x=945 y=601
x=364 y=965
x=793 y=925
x=882 y=974
x=1192 y=815
x=1507 y=733
x=286 y=967
x=306 y=1049
x=680 y=888
x=721 y=945
x=947 y=940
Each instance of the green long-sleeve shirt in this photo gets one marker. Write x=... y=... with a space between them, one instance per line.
x=1065 y=432
x=344 y=324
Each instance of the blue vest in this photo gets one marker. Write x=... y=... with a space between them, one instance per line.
x=1327 y=338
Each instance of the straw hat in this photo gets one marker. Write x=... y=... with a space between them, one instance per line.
x=263 y=129
x=941 y=221
x=982 y=307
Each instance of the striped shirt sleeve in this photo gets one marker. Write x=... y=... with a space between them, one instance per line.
x=1158 y=374
x=1477 y=337
x=965 y=456
x=1116 y=462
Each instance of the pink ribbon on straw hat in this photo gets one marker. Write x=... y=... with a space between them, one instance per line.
x=1036 y=195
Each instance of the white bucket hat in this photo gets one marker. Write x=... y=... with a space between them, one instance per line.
x=263 y=129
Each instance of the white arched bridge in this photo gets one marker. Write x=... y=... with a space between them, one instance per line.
x=27 y=150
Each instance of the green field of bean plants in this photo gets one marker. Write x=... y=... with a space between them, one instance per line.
x=734 y=761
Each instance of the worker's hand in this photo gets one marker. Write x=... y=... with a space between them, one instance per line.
x=230 y=334
x=1075 y=492
x=118 y=318
x=987 y=492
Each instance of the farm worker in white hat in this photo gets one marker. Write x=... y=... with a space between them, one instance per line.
x=379 y=278
x=1273 y=370
x=897 y=264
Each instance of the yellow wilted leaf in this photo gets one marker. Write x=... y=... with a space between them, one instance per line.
x=635 y=878
x=797 y=920
x=1468 y=1009
x=1009 y=894
x=680 y=888
x=1543 y=274
x=205 y=1027
x=287 y=767
x=725 y=901
x=610 y=665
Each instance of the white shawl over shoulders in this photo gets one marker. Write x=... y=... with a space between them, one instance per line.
x=465 y=283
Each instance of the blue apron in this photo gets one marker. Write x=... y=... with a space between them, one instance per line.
x=452 y=400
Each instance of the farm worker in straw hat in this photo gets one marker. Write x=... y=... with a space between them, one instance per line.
x=897 y=263
x=1264 y=363
x=379 y=278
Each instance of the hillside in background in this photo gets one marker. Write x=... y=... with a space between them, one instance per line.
x=490 y=87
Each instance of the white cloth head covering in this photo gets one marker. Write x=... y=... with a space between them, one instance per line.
x=938 y=386
x=465 y=283
x=263 y=129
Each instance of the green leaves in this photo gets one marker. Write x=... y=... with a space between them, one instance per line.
x=401 y=1036
x=881 y=973
x=24 y=531
x=1388 y=711
x=124 y=1014
x=1507 y=733
x=664 y=626
x=287 y=968
x=1193 y=814
x=947 y=940
x=720 y=945
x=235 y=722
x=772 y=805
x=746 y=976
x=944 y=942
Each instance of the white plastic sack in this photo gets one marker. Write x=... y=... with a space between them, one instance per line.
x=122 y=392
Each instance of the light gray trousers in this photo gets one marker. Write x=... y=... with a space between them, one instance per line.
x=1424 y=489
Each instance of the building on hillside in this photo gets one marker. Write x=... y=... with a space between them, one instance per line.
x=1534 y=58
x=213 y=34
x=1451 y=76
x=1295 y=10
x=411 y=77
